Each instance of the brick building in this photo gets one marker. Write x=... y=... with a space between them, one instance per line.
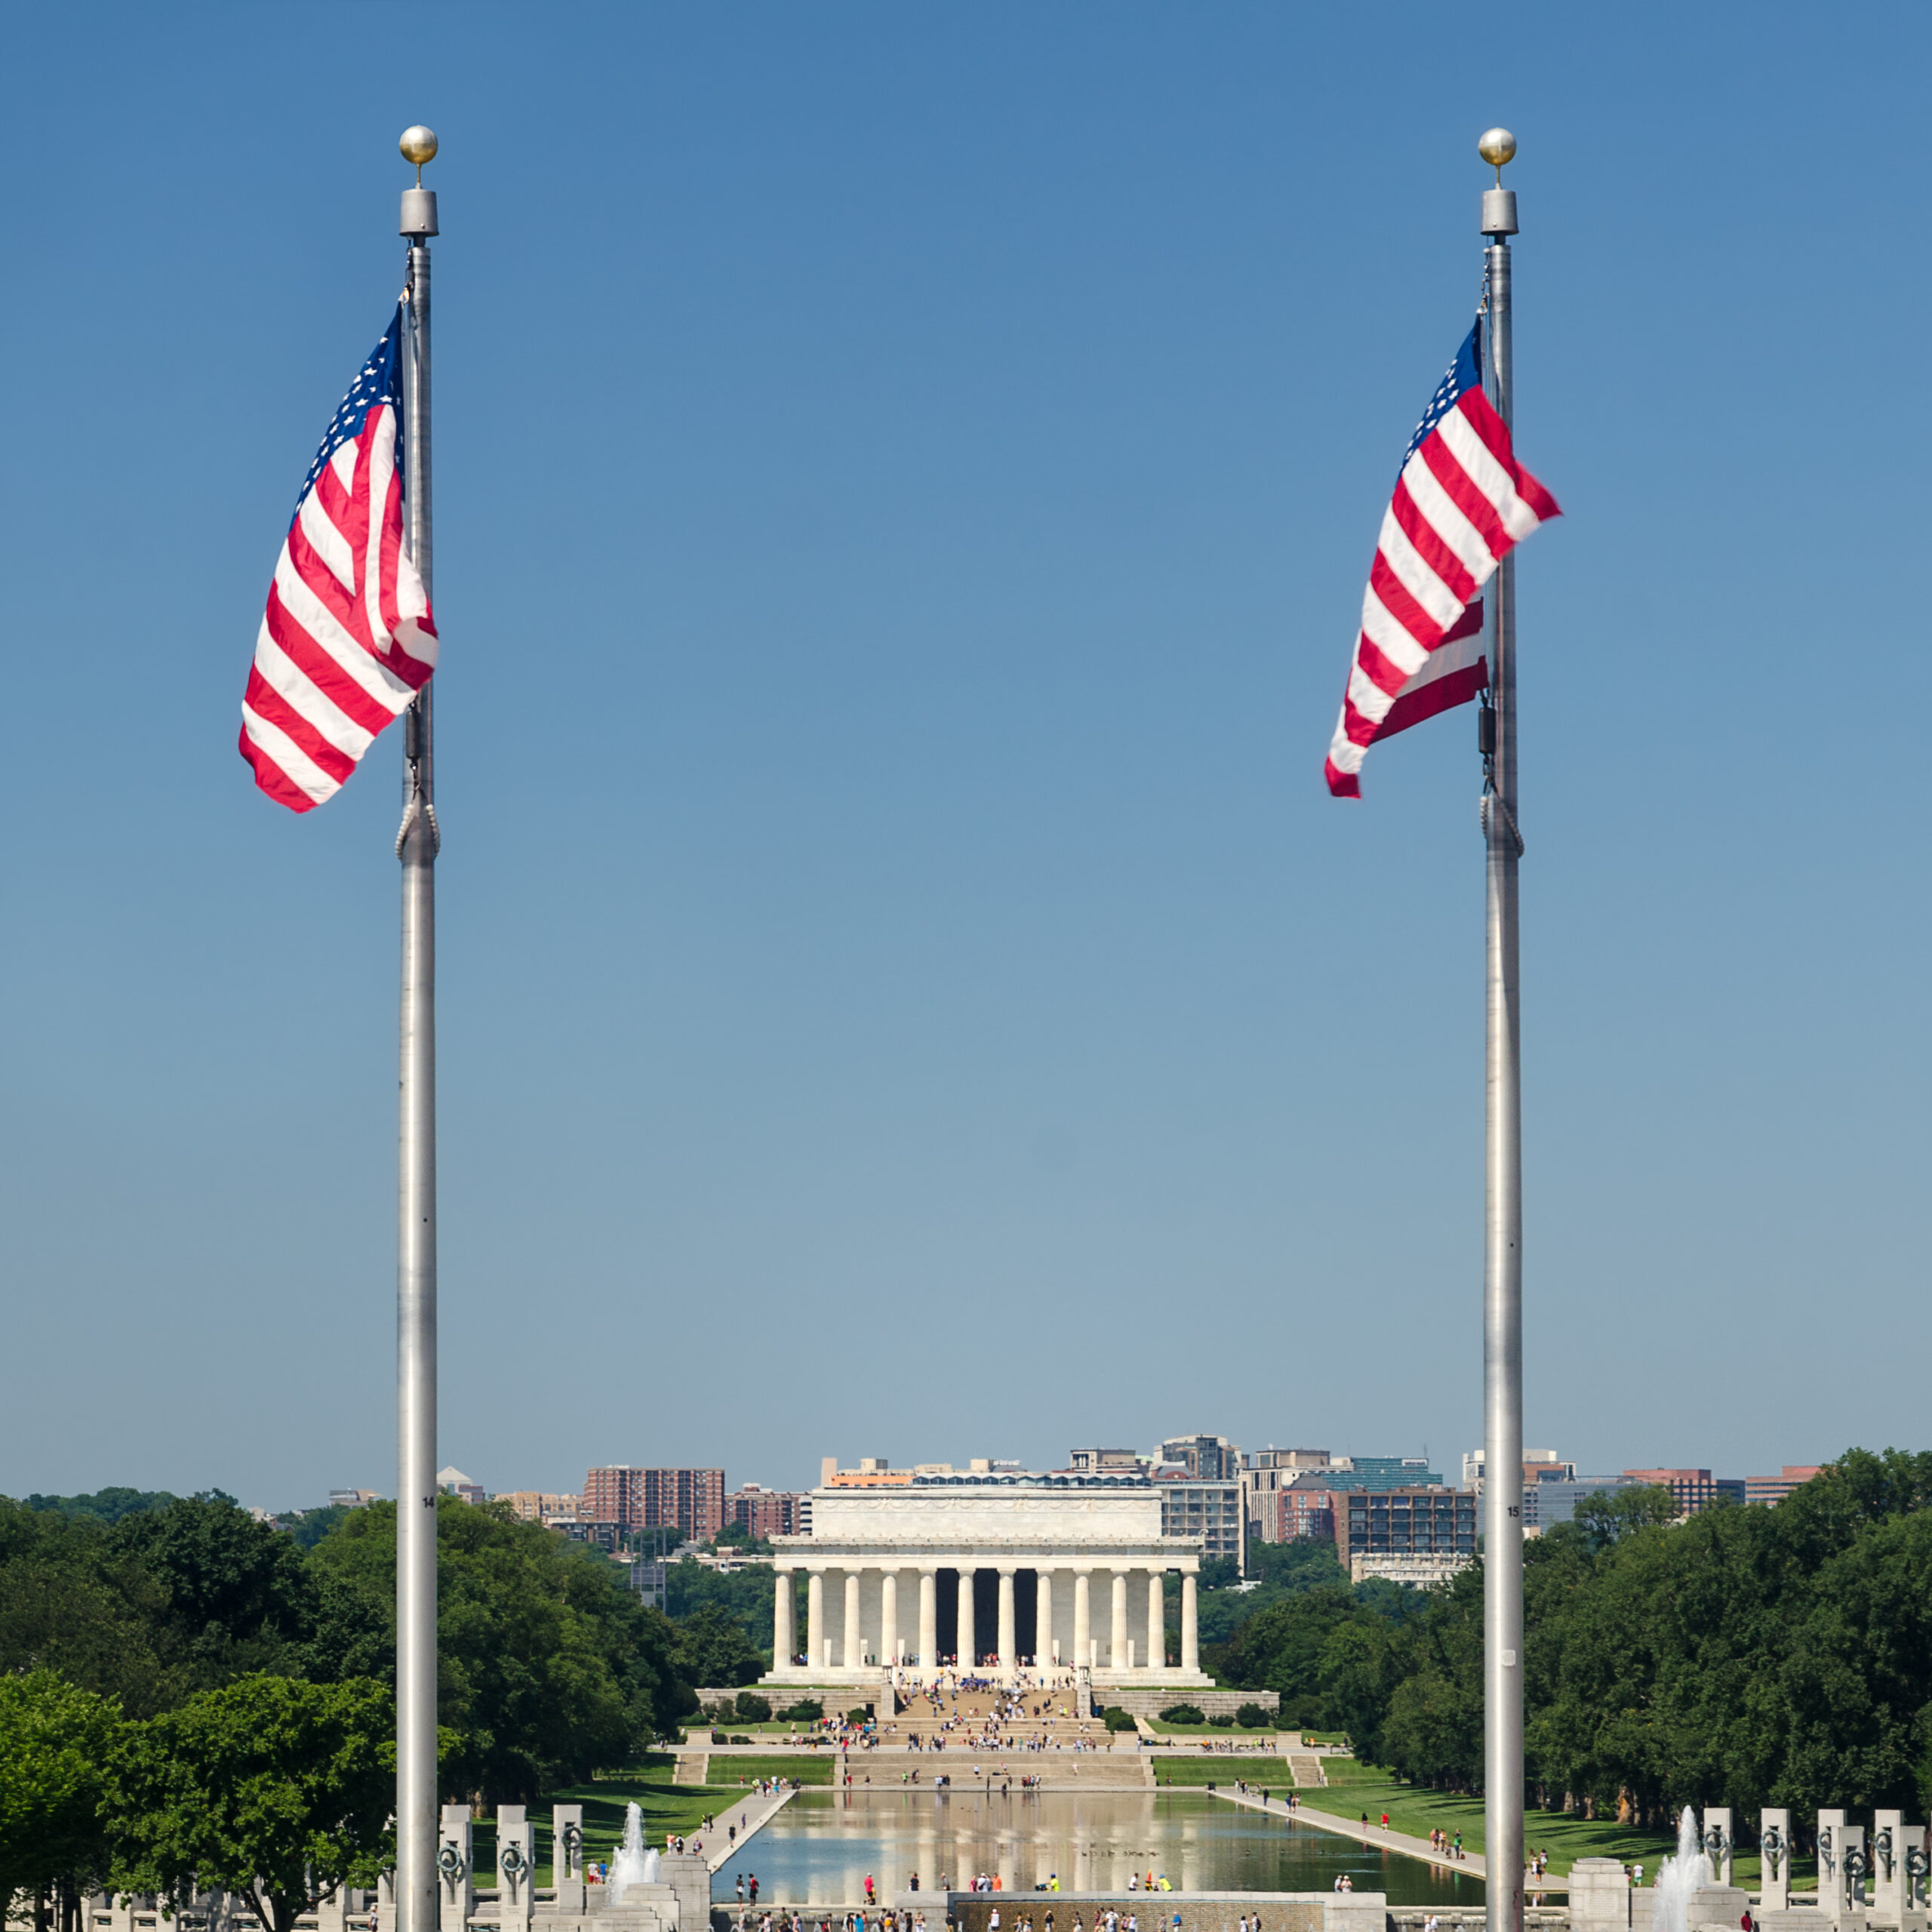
x=627 y=1497
x=766 y=1512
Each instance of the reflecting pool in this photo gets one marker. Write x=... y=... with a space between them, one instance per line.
x=819 y=1849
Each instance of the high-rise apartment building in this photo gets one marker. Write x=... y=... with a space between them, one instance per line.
x=1283 y=1505
x=629 y=1497
x=1210 y=1509
x=764 y=1512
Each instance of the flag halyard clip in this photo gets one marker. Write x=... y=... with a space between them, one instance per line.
x=1493 y=801
x=418 y=808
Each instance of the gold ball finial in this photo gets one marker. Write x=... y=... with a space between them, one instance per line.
x=1497 y=147
x=419 y=144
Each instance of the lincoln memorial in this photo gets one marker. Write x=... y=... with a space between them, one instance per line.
x=994 y=1573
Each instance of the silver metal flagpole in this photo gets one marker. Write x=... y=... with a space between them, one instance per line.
x=417 y=1791
x=1502 y=1274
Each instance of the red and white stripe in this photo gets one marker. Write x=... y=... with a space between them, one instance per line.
x=346 y=640
x=1462 y=503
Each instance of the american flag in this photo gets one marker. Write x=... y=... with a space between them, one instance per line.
x=346 y=640
x=1463 y=502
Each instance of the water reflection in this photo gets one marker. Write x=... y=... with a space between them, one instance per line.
x=820 y=1848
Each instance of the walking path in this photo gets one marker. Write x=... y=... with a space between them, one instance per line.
x=756 y=1810
x=1470 y=1862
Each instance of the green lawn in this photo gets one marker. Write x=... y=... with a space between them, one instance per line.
x=1417 y=1811
x=666 y=1806
x=725 y=1773
x=1267 y=1776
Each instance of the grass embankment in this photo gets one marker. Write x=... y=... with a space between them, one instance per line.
x=1354 y=1788
x=665 y=1807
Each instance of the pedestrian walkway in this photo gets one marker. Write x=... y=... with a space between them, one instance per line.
x=1410 y=1847
x=752 y=1812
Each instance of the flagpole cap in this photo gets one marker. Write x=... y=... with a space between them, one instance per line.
x=1498 y=147
x=418 y=203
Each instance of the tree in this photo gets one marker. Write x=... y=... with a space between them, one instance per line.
x=551 y=1668
x=55 y=1741
x=106 y=1506
x=275 y=1789
x=747 y=1594
x=711 y=1649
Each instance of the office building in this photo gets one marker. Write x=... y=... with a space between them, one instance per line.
x=1556 y=1502
x=1206 y=1458
x=1541 y=1467
x=1694 y=1489
x=452 y=1481
x=1774 y=1489
x=1424 y=1521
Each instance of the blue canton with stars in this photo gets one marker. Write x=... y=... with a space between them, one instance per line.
x=1465 y=372
x=379 y=381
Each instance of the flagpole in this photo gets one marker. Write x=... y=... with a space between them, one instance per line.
x=417 y=1792
x=1502 y=1273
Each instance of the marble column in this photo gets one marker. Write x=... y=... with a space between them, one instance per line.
x=1888 y=1866
x=1043 y=1619
x=815 y=1618
x=1190 y=1622
x=457 y=1893
x=1117 y=1636
x=853 y=1658
x=1009 y=1646
x=1774 y=1857
x=888 y=1617
x=1083 y=1622
x=1830 y=1841
x=784 y=1622
x=928 y=1617
x=1157 y=1620
x=516 y=1877
x=966 y=1639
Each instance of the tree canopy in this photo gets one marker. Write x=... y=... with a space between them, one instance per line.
x=269 y=1787
x=1742 y=1657
x=55 y=1743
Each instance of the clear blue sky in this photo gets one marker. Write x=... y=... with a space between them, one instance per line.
x=904 y=481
